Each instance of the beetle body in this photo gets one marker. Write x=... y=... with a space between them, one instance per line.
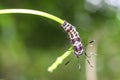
x=75 y=38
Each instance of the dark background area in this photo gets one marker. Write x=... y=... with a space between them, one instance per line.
x=29 y=44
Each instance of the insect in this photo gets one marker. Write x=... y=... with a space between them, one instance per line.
x=76 y=41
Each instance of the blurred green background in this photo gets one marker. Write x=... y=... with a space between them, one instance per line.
x=29 y=44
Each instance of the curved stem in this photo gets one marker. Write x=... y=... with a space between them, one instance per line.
x=47 y=15
x=35 y=12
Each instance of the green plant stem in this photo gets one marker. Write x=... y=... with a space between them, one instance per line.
x=60 y=59
x=47 y=15
x=35 y=12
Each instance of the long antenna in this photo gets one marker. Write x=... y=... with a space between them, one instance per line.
x=66 y=63
x=89 y=63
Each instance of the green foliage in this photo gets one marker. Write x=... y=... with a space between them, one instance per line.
x=30 y=44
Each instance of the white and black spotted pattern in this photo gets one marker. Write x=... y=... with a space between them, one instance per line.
x=74 y=36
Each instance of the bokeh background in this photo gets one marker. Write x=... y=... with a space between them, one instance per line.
x=29 y=44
